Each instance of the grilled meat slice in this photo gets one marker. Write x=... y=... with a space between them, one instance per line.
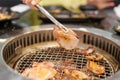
x=67 y=40
x=87 y=51
x=45 y=64
x=40 y=71
x=95 y=57
x=95 y=68
x=75 y=74
x=90 y=50
x=31 y=3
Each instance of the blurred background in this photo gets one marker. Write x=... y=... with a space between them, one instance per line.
x=102 y=14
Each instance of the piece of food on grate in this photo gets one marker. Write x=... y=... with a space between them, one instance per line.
x=67 y=40
x=40 y=71
x=45 y=64
x=86 y=52
x=75 y=74
x=95 y=68
x=5 y=16
x=97 y=57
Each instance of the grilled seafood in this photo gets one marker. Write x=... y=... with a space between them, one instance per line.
x=40 y=71
x=67 y=40
x=95 y=68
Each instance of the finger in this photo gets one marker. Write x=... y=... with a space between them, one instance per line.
x=110 y=4
x=108 y=0
x=103 y=1
x=107 y=5
x=31 y=2
x=27 y=1
x=34 y=2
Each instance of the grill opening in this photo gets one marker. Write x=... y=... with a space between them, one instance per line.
x=34 y=47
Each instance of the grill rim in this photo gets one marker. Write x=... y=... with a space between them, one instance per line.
x=7 y=70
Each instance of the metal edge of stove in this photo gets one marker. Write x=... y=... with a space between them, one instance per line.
x=8 y=73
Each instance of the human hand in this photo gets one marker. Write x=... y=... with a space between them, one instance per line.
x=102 y=4
x=31 y=3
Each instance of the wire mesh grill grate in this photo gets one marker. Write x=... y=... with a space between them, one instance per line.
x=60 y=54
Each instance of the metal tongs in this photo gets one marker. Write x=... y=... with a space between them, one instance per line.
x=45 y=12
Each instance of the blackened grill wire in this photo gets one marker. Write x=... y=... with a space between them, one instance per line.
x=54 y=54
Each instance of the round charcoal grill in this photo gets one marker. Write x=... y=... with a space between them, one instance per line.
x=60 y=54
x=20 y=52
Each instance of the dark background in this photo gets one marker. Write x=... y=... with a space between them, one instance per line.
x=117 y=2
x=9 y=3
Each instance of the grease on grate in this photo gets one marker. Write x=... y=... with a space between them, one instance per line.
x=58 y=56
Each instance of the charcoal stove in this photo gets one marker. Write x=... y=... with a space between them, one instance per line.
x=21 y=51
